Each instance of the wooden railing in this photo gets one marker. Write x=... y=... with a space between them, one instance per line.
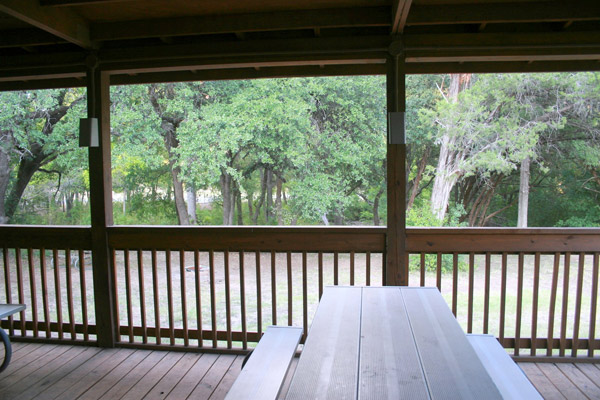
x=49 y=270
x=535 y=289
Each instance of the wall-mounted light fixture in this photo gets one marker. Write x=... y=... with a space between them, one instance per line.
x=396 y=128
x=88 y=127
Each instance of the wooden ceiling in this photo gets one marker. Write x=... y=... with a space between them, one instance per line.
x=47 y=42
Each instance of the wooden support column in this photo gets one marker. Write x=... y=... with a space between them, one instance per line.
x=98 y=89
x=396 y=264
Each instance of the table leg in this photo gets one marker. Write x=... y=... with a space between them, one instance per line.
x=7 y=349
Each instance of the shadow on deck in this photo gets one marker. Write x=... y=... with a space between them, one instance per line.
x=75 y=372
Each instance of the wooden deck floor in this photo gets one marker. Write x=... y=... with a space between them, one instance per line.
x=73 y=372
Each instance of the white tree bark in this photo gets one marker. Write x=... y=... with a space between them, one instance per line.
x=524 y=193
x=190 y=194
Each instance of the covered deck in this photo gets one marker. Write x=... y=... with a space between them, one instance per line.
x=94 y=373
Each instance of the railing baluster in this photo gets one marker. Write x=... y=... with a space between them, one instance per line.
x=258 y=296
x=578 y=304
x=471 y=290
x=32 y=292
x=199 y=294
x=335 y=269
x=142 y=290
x=305 y=294
x=519 y=303
x=242 y=303
x=20 y=290
x=368 y=269
x=213 y=294
x=289 y=287
x=503 y=297
x=320 y=262
x=273 y=287
x=438 y=272
x=535 y=301
x=565 y=305
x=454 y=283
x=552 y=306
x=113 y=270
x=170 y=297
x=8 y=288
x=422 y=268
x=128 y=294
x=593 y=306
x=486 y=300
x=44 y=279
x=227 y=299
x=70 y=304
x=57 y=293
x=157 y=331
x=351 y=269
x=184 y=316
x=83 y=290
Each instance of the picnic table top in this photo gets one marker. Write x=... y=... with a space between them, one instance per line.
x=388 y=342
x=9 y=309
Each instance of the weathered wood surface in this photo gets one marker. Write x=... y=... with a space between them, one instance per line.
x=263 y=375
x=388 y=343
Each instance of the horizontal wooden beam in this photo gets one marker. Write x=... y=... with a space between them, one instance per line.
x=296 y=239
x=400 y=13
x=216 y=24
x=55 y=237
x=27 y=37
x=466 y=240
x=67 y=3
x=62 y=23
x=486 y=13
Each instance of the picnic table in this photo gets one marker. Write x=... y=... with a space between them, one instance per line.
x=5 y=311
x=388 y=343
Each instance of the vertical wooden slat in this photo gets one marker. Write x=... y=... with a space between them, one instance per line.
x=565 y=305
x=115 y=296
x=20 y=290
x=213 y=293
x=184 y=316
x=503 y=297
x=274 y=287
x=227 y=299
x=438 y=271
x=170 y=297
x=519 y=303
x=258 y=295
x=535 y=302
x=579 y=294
x=593 y=305
x=383 y=268
x=471 y=290
x=351 y=270
x=128 y=294
x=368 y=269
x=70 y=304
x=8 y=288
x=305 y=294
x=199 y=292
x=486 y=300
x=156 y=297
x=422 y=268
x=44 y=279
x=57 y=293
x=33 y=292
x=242 y=304
x=289 y=287
x=454 y=283
x=320 y=262
x=142 y=291
x=83 y=290
x=552 y=306
x=405 y=276
x=335 y=269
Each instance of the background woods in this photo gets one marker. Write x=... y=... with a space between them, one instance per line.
x=484 y=150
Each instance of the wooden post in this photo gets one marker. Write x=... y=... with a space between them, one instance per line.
x=396 y=265
x=98 y=89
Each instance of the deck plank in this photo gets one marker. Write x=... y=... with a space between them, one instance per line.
x=31 y=362
x=227 y=381
x=592 y=371
x=541 y=381
x=562 y=383
x=579 y=379
x=152 y=377
x=192 y=377
x=212 y=378
x=173 y=376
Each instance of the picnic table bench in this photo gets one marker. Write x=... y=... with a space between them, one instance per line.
x=5 y=311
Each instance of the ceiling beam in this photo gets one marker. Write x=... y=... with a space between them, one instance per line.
x=67 y=3
x=59 y=22
x=216 y=24
x=26 y=38
x=400 y=12
x=547 y=11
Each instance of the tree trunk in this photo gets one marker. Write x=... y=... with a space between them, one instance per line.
x=261 y=199
x=238 y=202
x=269 y=196
x=250 y=197
x=182 y=214
x=190 y=192
x=524 y=193
x=376 y=220
x=278 y=204
x=4 y=178
x=226 y=192
x=414 y=189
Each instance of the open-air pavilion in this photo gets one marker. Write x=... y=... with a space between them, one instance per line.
x=99 y=43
